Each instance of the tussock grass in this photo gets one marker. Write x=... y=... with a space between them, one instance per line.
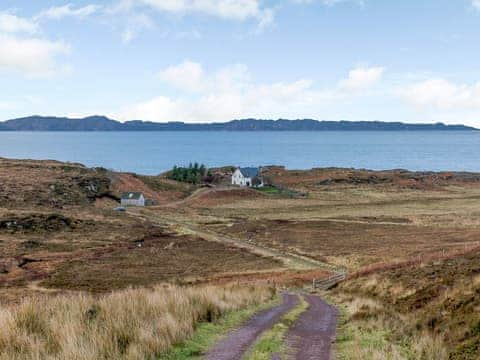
x=370 y=331
x=208 y=333
x=128 y=324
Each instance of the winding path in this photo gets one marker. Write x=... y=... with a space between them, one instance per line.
x=234 y=346
x=311 y=337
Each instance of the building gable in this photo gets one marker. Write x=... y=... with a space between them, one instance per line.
x=249 y=172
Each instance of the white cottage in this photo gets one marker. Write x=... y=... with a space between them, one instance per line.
x=248 y=176
x=133 y=199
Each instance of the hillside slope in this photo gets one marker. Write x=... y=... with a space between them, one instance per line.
x=102 y=123
x=436 y=302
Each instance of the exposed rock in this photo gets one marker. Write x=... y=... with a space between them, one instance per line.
x=37 y=222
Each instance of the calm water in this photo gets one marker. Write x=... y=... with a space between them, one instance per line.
x=154 y=152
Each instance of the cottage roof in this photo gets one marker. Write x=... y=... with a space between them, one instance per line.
x=250 y=172
x=131 y=195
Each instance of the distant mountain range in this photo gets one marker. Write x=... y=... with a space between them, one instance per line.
x=102 y=123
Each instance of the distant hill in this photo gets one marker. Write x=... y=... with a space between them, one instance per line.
x=102 y=123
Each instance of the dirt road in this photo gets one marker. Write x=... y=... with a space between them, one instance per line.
x=234 y=346
x=310 y=337
x=312 y=334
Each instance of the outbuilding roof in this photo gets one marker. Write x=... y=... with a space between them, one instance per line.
x=131 y=195
x=250 y=172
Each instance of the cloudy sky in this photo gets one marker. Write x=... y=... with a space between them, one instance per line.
x=216 y=60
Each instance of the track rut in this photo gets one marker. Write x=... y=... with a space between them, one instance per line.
x=236 y=344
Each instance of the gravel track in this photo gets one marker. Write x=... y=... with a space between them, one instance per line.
x=236 y=344
x=311 y=337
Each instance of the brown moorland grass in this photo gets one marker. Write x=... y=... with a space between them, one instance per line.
x=331 y=176
x=27 y=184
x=415 y=261
x=128 y=324
x=161 y=258
x=350 y=218
x=153 y=187
x=33 y=245
x=431 y=304
x=363 y=240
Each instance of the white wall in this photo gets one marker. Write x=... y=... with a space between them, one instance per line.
x=239 y=179
x=133 y=202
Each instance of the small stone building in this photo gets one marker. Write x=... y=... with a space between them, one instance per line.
x=133 y=199
x=248 y=176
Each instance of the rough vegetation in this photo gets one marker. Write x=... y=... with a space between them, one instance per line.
x=409 y=241
x=58 y=232
x=129 y=324
x=158 y=257
x=28 y=183
x=434 y=304
x=36 y=223
x=318 y=178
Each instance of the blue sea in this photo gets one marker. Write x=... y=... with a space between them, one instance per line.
x=155 y=152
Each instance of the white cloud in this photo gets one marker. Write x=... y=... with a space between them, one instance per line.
x=231 y=92
x=266 y=19
x=476 y=4
x=218 y=106
x=442 y=94
x=10 y=23
x=67 y=10
x=24 y=50
x=361 y=78
x=136 y=23
x=239 y=10
x=331 y=2
x=185 y=76
x=32 y=56
x=190 y=76
x=229 y=9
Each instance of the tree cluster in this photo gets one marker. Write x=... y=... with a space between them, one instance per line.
x=193 y=174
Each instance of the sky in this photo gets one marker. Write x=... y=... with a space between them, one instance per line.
x=414 y=61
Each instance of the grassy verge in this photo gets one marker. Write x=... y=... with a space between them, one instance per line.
x=355 y=341
x=272 y=341
x=367 y=331
x=207 y=334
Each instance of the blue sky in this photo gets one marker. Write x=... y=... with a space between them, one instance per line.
x=216 y=60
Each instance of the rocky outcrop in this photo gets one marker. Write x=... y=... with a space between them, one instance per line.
x=37 y=223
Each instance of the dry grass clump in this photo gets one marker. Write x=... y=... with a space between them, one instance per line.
x=128 y=324
x=373 y=331
x=429 y=309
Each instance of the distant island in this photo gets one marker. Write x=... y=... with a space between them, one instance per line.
x=102 y=123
